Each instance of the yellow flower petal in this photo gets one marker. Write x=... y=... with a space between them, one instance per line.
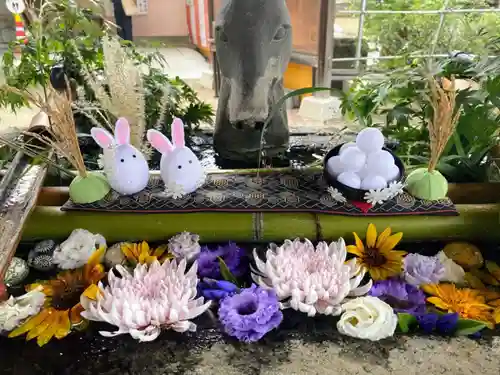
x=375 y=273
x=383 y=236
x=371 y=236
x=391 y=242
x=438 y=302
x=128 y=250
x=495 y=303
x=159 y=251
x=63 y=325
x=49 y=332
x=359 y=243
x=40 y=328
x=496 y=315
x=91 y=292
x=30 y=323
x=353 y=249
x=74 y=314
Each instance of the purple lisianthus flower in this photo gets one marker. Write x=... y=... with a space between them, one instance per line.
x=403 y=297
x=251 y=314
x=231 y=254
x=216 y=289
x=420 y=269
x=445 y=324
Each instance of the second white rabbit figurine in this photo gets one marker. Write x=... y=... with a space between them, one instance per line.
x=125 y=166
x=180 y=168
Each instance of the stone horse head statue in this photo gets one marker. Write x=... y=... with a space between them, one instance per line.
x=253 y=45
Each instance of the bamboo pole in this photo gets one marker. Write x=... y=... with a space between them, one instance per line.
x=476 y=222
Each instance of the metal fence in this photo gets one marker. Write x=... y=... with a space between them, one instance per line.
x=325 y=71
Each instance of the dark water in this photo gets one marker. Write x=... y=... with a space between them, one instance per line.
x=88 y=352
x=300 y=153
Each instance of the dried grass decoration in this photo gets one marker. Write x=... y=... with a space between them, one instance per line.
x=428 y=183
x=87 y=186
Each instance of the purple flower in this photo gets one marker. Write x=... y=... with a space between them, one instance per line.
x=420 y=269
x=231 y=254
x=403 y=297
x=251 y=314
x=216 y=289
x=445 y=324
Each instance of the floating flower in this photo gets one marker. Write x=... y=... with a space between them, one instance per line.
x=378 y=256
x=152 y=298
x=445 y=324
x=367 y=318
x=311 y=280
x=250 y=314
x=453 y=272
x=468 y=303
x=216 y=289
x=77 y=249
x=17 y=309
x=420 y=269
x=403 y=297
x=62 y=308
x=184 y=245
x=140 y=253
x=231 y=254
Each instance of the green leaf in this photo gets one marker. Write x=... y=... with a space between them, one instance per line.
x=467 y=327
x=226 y=273
x=406 y=322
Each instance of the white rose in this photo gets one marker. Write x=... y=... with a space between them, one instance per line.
x=367 y=318
x=453 y=273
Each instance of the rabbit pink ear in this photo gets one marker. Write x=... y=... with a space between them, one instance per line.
x=178 y=133
x=102 y=137
x=122 y=131
x=159 y=141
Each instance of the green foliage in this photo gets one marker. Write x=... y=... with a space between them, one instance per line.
x=466 y=327
x=406 y=322
x=401 y=34
x=226 y=273
x=398 y=102
x=63 y=27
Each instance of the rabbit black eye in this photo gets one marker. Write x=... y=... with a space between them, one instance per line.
x=190 y=162
x=179 y=166
x=122 y=160
x=133 y=156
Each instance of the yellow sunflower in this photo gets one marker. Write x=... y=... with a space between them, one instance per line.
x=62 y=306
x=140 y=253
x=379 y=256
x=468 y=303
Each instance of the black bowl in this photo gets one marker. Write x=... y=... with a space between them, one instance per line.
x=348 y=192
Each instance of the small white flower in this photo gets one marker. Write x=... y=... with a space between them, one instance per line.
x=77 y=249
x=16 y=310
x=395 y=188
x=336 y=195
x=453 y=272
x=367 y=318
x=175 y=191
x=185 y=245
x=377 y=196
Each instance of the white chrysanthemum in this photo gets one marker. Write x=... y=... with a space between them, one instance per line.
x=336 y=195
x=77 y=249
x=16 y=310
x=367 y=318
x=148 y=300
x=311 y=280
x=184 y=245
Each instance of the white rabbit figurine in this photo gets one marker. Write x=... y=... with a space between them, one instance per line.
x=125 y=167
x=180 y=168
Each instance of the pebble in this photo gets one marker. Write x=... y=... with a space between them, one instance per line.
x=16 y=273
x=40 y=257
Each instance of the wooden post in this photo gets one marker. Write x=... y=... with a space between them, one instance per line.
x=325 y=44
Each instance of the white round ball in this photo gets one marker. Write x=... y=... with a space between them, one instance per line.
x=370 y=140
x=345 y=146
x=334 y=166
x=349 y=179
x=373 y=182
x=379 y=162
x=353 y=159
x=363 y=172
x=392 y=173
